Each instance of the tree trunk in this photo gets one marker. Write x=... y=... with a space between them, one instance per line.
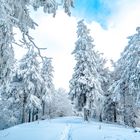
x=29 y=120
x=37 y=115
x=85 y=114
x=115 y=113
x=33 y=115
x=124 y=111
x=43 y=108
x=23 y=109
x=100 y=117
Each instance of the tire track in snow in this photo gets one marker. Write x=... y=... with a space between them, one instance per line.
x=66 y=135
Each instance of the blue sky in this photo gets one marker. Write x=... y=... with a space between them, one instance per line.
x=97 y=10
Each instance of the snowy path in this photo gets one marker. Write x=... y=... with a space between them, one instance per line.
x=69 y=128
x=65 y=135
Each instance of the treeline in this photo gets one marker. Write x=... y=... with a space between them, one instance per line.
x=96 y=92
x=23 y=87
x=27 y=90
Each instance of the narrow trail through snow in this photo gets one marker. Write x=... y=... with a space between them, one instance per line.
x=65 y=134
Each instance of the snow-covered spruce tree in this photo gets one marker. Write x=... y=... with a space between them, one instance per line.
x=15 y=13
x=6 y=70
x=109 y=109
x=12 y=104
x=48 y=86
x=127 y=85
x=103 y=71
x=6 y=55
x=85 y=86
x=110 y=104
x=105 y=80
x=55 y=103
x=31 y=82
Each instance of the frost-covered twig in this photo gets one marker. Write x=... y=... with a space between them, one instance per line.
x=31 y=44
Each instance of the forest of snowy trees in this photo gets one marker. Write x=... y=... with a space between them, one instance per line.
x=97 y=92
x=27 y=92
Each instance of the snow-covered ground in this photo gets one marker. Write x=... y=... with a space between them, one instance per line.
x=68 y=128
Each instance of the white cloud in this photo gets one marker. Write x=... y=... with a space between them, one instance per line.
x=59 y=35
x=122 y=23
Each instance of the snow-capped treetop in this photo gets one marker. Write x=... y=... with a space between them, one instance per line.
x=83 y=36
x=82 y=30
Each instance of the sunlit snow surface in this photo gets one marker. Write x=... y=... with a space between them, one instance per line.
x=68 y=128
